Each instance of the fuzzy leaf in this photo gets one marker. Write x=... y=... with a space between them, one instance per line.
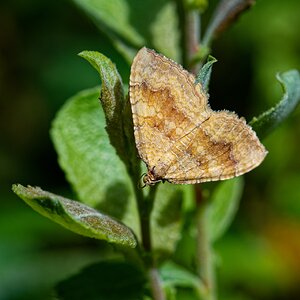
x=224 y=204
x=105 y=280
x=125 y=21
x=117 y=111
x=269 y=120
x=76 y=216
x=112 y=99
x=205 y=72
x=85 y=154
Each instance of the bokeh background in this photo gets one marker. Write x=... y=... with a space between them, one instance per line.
x=259 y=257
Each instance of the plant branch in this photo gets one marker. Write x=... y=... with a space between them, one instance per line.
x=156 y=288
x=204 y=251
x=157 y=291
x=205 y=262
x=145 y=206
x=145 y=219
x=192 y=36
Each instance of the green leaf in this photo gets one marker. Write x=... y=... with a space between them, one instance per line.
x=224 y=203
x=117 y=111
x=105 y=280
x=205 y=72
x=85 y=154
x=176 y=276
x=164 y=29
x=124 y=22
x=112 y=99
x=166 y=217
x=75 y=216
x=269 y=120
x=112 y=17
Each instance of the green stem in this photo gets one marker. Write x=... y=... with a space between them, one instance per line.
x=204 y=251
x=157 y=291
x=156 y=288
x=145 y=219
x=208 y=36
x=205 y=261
x=192 y=36
x=145 y=206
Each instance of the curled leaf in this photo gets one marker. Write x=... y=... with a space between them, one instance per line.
x=270 y=119
x=117 y=110
x=112 y=98
x=76 y=216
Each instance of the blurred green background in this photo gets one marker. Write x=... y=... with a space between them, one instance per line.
x=259 y=258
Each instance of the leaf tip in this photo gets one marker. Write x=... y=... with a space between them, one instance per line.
x=204 y=74
x=14 y=187
x=82 y=53
x=211 y=59
x=85 y=54
x=17 y=188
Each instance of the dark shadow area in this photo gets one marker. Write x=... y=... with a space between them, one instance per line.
x=116 y=200
x=142 y=14
x=171 y=212
x=107 y=280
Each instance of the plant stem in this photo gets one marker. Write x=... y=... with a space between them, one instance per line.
x=192 y=38
x=205 y=262
x=156 y=288
x=145 y=206
x=145 y=219
x=204 y=251
x=157 y=291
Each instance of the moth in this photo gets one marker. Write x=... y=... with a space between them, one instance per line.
x=178 y=136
